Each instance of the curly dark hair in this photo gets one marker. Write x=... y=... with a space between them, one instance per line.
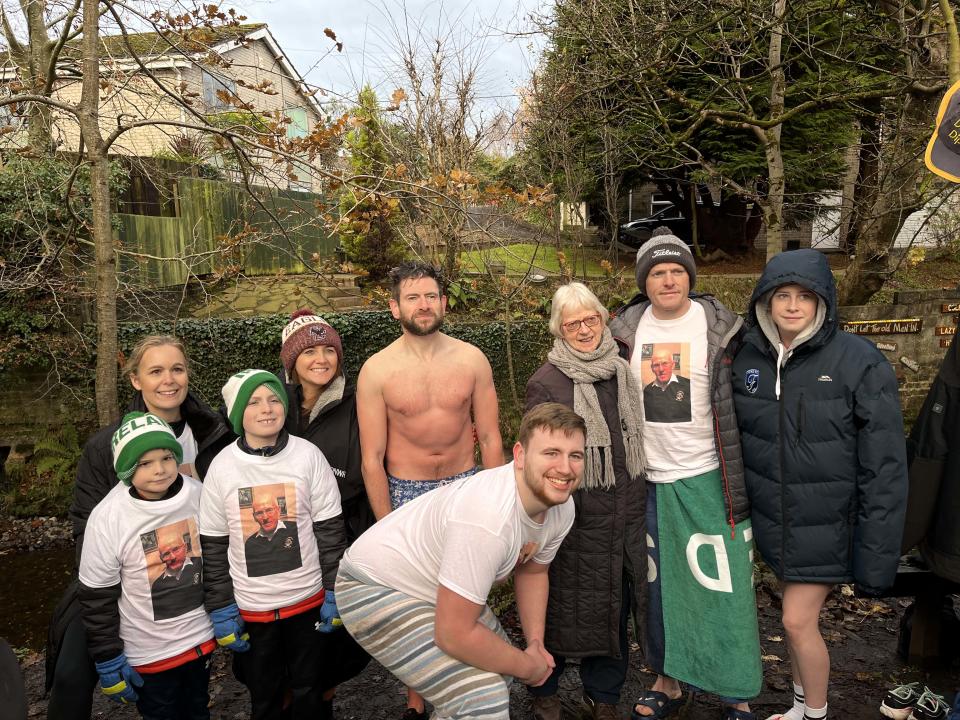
x=414 y=270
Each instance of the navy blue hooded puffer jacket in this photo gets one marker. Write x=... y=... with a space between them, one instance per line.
x=822 y=437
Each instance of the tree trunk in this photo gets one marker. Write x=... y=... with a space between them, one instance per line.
x=773 y=207
x=105 y=258
x=890 y=192
x=451 y=255
x=34 y=60
x=612 y=181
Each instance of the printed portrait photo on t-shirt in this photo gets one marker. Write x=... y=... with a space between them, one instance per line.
x=267 y=515
x=665 y=375
x=174 y=568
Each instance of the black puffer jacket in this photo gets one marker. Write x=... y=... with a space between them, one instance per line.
x=933 y=453
x=608 y=536
x=825 y=461
x=723 y=328
x=336 y=432
x=95 y=478
x=95 y=475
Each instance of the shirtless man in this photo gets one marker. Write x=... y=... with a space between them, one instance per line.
x=421 y=402
x=421 y=398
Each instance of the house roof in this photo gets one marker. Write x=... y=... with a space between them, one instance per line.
x=190 y=42
x=154 y=48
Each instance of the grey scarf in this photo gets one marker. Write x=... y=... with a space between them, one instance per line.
x=585 y=369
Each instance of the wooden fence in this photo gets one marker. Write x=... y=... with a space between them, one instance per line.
x=284 y=229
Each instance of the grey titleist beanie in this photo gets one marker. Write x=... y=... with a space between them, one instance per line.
x=662 y=247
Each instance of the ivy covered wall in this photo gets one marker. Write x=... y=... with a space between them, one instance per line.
x=220 y=347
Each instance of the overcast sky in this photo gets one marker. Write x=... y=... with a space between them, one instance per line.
x=483 y=29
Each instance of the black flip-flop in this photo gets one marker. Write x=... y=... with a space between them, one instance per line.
x=662 y=705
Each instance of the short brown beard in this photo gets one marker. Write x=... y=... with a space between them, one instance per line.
x=411 y=327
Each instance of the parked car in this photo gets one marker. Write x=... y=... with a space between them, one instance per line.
x=636 y=232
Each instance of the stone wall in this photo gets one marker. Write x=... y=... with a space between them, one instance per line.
x=914 y=333
x=30 y=407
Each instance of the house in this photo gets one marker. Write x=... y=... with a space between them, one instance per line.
x=213 y=68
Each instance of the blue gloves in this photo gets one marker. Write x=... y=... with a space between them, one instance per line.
x=329 y=615
x=228 y=627
x=118 y=678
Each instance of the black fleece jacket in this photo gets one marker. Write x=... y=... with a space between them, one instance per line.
x=336 y=433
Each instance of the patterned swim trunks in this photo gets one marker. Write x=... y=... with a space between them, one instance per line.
x=403 y=491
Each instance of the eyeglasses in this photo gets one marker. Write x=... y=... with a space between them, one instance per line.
x=590 y=321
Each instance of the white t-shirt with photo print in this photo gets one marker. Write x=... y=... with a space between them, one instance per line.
x=307 y=487
x=120 y=536
x=465 y=536
x=674 y=448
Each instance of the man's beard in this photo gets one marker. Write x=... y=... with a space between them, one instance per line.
x=409 y=324
x=538 y=487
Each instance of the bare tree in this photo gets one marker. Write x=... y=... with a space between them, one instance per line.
x=37 y=57
x=114 y=72
x=753 y=93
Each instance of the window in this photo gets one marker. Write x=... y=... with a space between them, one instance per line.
x=297 y=127
x=300 y=176
x=214 y=83
x=7 y=116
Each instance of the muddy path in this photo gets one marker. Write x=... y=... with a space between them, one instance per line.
x=861 y=635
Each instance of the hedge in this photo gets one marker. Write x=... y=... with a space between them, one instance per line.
x=220 y=347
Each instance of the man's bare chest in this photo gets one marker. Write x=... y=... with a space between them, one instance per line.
x=414 y=391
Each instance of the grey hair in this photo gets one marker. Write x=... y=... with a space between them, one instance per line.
x=570 y=296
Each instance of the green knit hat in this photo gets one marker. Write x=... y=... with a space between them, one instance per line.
x=139 y=433
x=239 y=388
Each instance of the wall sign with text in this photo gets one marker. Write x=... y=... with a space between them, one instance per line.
x=883 y=327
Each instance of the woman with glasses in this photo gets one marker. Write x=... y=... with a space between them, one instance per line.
x=599 y=573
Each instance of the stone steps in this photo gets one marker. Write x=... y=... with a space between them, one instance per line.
x=259 y=296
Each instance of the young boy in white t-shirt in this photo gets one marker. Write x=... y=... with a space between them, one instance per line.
x=141 y=588
x=273 y=533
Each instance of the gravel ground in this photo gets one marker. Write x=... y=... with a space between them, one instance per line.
x=23 y=535
x=861 y=636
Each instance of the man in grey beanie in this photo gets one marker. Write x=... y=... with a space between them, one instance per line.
x=679 y=345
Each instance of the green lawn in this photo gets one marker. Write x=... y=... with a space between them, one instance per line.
x=519 y=257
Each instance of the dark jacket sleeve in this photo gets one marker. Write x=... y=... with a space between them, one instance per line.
x=101 y=617
x=217 y=584
x=537 y=394
x=881 y=478
x=331 y=538
x=927 y=450
x=95 y=478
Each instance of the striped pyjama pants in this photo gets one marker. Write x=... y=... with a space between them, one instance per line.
x=398 y=631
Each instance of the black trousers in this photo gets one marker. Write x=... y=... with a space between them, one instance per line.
x=291 y=654
x=176 y=694
x=74 y=678
x=603 y=676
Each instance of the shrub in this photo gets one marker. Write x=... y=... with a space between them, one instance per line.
x=44 y=485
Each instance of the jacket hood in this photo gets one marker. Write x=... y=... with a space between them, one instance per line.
x=807 y=268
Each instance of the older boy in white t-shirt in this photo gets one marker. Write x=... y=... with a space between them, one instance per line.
x=273 y=535
x=431 y=563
